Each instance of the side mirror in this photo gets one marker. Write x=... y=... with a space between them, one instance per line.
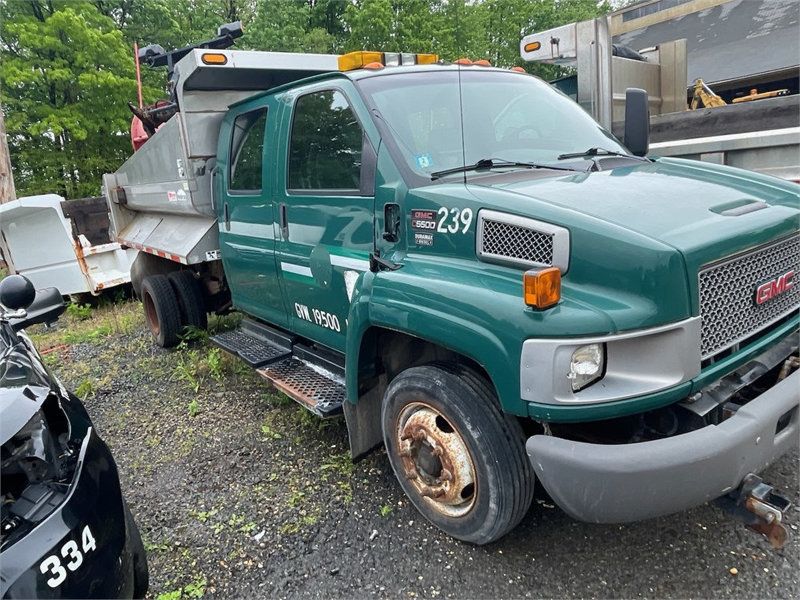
x=16 y=292
x=637 y=121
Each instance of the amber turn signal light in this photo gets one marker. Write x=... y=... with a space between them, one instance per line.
x=542 y=287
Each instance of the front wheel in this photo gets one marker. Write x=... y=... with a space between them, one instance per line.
x=460 y=461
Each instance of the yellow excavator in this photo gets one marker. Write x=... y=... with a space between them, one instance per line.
x=705 y=97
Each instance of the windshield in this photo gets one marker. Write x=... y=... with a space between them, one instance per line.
x=507 y=116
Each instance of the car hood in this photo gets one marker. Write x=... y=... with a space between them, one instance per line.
x=24 y=385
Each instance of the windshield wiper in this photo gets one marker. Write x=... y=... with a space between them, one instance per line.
x=591 y=152
x=490 y=163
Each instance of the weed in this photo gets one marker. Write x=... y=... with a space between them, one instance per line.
x=385 y=510
x=85 y=389
x=296 y=498
x=153 y=547
x=193 y=333
x=270 y=433
x=248 y=528
x=203 y=515
x=79 y=312
x=196 y=589
x=173 y=595
x=187 y=369
x=193 y=407
x=305 y=418
x=341 y=464
x=215 y=364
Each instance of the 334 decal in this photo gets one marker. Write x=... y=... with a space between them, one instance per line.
x=71 y=557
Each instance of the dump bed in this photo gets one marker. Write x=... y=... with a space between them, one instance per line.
x=160 y=199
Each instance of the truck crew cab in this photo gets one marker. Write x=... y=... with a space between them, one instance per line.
x=479 y=276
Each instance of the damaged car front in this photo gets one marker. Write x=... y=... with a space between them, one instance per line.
x=66 y=531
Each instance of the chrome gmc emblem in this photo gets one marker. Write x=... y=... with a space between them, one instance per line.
x=771 y=289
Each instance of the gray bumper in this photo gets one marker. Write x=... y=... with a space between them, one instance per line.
x=629 y=482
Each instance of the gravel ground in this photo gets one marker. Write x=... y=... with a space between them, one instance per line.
x=239 y=492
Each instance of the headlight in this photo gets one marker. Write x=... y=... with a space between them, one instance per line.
x=586 y=366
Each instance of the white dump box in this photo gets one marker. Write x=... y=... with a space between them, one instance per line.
x=160 y=199
x=63 y=244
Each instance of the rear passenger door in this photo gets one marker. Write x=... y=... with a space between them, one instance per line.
x=325 y=210
x=246 y=214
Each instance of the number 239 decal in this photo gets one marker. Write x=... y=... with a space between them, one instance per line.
x=454 y=219
x=72 y=557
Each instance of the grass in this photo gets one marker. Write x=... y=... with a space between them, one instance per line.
x=75 y=327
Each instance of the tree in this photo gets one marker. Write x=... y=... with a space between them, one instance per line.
x=66 y=75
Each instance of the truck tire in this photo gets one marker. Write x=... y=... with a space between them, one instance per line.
x=460 y=461
x=161 y=310
x=190 y=299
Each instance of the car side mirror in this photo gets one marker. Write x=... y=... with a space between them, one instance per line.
x=16 y=292
x=637 y=121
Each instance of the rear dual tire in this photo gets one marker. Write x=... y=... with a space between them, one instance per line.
x=171 y=303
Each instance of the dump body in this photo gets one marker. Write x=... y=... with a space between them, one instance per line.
x=78 y=256
x=160 y=199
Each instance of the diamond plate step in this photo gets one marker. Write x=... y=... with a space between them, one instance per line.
x=254 y=350
x=320 y=394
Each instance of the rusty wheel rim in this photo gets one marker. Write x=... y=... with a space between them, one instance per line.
x=150 y=314
x=435 y=460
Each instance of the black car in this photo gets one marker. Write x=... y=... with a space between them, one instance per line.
x=66 y=531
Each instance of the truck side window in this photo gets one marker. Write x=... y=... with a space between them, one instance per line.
x=326 y=142
x=247 y=147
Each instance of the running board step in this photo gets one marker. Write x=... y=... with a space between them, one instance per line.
x=322 y=395
x=254 y=344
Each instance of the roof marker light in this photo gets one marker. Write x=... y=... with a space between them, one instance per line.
x=364 y=59
x=213 y=58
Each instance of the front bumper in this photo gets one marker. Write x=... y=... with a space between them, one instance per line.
x=630 y=482
x=94 y=500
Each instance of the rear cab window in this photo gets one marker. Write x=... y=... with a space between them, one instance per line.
x=247 y=151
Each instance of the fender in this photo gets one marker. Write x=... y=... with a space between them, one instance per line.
x=442 y=313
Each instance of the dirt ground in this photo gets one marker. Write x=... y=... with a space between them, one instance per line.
x=239 y=492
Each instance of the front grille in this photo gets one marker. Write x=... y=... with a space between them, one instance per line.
x=521 y=243
x=728 y=310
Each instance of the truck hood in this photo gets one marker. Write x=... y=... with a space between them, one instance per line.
x=649 y=228
x=686 y=204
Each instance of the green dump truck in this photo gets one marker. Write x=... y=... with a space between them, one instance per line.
x=479 y=276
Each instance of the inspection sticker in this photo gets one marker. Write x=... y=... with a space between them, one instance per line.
x=172 y=196
x=423 y=160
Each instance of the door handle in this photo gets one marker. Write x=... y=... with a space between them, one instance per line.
x=391 y=222
x=284 y=221
x=227 y=216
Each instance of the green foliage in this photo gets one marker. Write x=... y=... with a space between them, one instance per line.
x=79 y=312
x=85 y=389
x=67 y=69
x=385 y=510
x=193 y=407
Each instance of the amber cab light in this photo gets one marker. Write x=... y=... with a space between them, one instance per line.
x=542 y=287
x=214 y=58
